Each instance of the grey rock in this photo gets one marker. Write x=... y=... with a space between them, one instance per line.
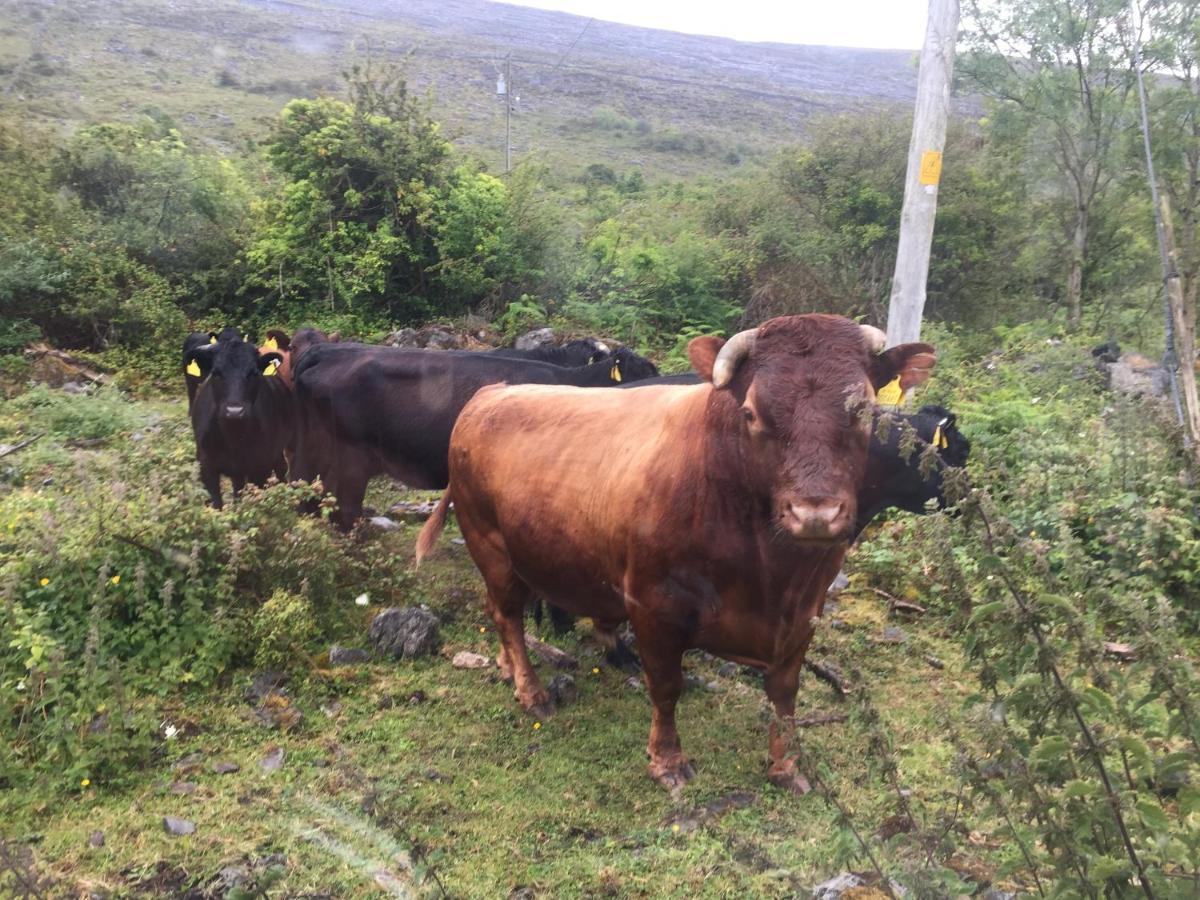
x=405 y=633
x=439 y=339
x=1137 y=376
x=96 y=839
x=636 y=683
x=347 y=656
x=178 y=827
x=265 y=683
x=183 y=788
x=892 y=634
x=273 y=761
x=728 y=670
x=383 y=523
x=997 y=894
x=188 y=764
x=840 y=583
x=225 y=767
x=531 y=340
x=229 y=878
x=563 y=690
x=74 y=387
x=522 y=893
x=407 y=511
x=405 y=337
x=836 y=886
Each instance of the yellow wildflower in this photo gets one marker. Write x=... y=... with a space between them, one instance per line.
x=86 y=782
x=44 y=582
x=537 y=725
x=116 y=579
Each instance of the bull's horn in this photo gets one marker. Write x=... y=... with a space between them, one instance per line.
x=732 y=353
x=875 y=339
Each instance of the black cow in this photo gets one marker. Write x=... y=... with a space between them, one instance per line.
x=191 y=373
x=367 y=411
x=582 y=352
x=243 y=416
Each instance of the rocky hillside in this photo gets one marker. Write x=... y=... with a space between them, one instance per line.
x=588 y=91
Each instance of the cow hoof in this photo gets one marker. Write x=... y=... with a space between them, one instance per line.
x=673 y=778
x=541 y=711
x=792 y=782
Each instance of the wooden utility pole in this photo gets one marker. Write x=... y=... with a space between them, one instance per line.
x=924 y=172
x=508 y=114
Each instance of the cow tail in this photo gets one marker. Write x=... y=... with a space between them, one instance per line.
x=432 y=529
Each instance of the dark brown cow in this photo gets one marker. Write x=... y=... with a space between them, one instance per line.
x=712 y=516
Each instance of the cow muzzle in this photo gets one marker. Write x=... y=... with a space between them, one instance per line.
x=234 y=412
x=817 y=520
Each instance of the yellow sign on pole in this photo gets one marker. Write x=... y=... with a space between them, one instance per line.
x=931 y=167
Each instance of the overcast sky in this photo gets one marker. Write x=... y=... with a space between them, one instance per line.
x=894 y=24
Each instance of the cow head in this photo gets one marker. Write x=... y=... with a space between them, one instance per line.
x=306 y=337
x=234 y=371
x=628 y=366
x=790 y=393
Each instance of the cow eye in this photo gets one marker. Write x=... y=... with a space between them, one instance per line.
x=748 y=414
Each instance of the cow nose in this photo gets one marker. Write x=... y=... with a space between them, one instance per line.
x=235 y=412
x=818 y=518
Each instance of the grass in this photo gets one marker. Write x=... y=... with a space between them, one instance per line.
x=460 y=782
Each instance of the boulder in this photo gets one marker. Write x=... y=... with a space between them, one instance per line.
x=405 y=633
x=405 y=337
x=1138 y=376
x=531 y=340
x=562 y=690
x=347 y=656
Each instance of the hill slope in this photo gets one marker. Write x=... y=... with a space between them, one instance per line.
x=670 y=103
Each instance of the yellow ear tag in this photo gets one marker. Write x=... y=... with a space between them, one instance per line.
x=890 y=394
x=939 y=439
x=212 y=338
x=193 y=368
x=271 y=368
x=615 y=374
x=271 y=344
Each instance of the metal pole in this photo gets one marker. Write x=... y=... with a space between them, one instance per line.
x=1170 y=363
x=924 y=171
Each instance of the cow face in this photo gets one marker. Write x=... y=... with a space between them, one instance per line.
x=234 y=371
x=791 y=393
x=628 y=366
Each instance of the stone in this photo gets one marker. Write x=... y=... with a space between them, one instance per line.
x=405 y=337
x=96 y=839
x=1137 y=376
x=225 y=767
x=266 y=683
x=836 y=886
x=178 y=827
x=562 y=689
x=892 y=634
x=383 y=523
x=413 y=513
x=183 y=788
x=405 y=633
x=728 y=670
x=840 y=583
x=347 y=656
x=465 y=659
x=188 y=764
x=433 y=337
x=273 y=761
x=531 y=340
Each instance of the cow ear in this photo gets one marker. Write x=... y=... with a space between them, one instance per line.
x=277 y=340
x=269 y=363
x=702 y=354
x=899 y=369
x=199 y=361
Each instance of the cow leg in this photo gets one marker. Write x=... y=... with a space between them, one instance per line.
x=781 y=685
x=507 y=608
x=350 y=490
x=211 y=479
x=662 y=663
x=281 y=465
x=239 y=484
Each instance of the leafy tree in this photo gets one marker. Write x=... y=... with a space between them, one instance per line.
x=173 y=208
x=352 y=222
x=1060 y=80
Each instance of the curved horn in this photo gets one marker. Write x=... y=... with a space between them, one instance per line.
x=875 y=339
x=732 y=353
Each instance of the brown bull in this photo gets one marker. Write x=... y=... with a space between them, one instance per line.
x=709 y=516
